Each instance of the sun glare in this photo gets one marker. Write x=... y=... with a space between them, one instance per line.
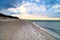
x=22 y=9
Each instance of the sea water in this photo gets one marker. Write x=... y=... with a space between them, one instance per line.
x=53 y=26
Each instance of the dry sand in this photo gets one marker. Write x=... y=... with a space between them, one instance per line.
x=16 y=29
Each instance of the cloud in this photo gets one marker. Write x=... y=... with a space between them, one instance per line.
x=56 y=7
x=29 y=16
x=54 y=11
x=27 y=10
x=30 y=10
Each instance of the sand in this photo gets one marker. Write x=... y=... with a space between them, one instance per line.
x=17 y=29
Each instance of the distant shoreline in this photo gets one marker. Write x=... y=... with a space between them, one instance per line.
x=44 y=20
x=7 y=16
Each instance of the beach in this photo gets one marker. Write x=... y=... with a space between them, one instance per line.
x=17 y=29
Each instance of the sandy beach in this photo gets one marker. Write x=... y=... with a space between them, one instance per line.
x=17 y=29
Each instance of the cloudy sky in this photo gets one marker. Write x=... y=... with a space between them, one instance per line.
x=31 y=8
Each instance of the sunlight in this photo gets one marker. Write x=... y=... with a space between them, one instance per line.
x=22 y=9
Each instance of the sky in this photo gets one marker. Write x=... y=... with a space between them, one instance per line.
x=31 y=8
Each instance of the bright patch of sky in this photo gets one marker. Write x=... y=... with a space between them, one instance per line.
x=57 y=7
x=30 y=8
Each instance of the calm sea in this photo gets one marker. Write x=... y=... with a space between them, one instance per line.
x=53 y=26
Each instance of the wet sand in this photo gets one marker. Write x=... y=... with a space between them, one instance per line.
x=16 y=29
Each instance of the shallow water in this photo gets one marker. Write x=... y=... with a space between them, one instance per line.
x=50 y=25
x=53 y=26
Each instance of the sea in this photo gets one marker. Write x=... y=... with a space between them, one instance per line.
x=52 y=25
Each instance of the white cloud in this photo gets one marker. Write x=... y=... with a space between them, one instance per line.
x=28 y=10
x=57 y=10
x=29 y=16
x=38 y=0
x=36 y=11
x=56 y=7
x=12 y=9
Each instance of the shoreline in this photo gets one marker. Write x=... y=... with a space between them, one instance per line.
x=25 y=27
x=48 y=31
